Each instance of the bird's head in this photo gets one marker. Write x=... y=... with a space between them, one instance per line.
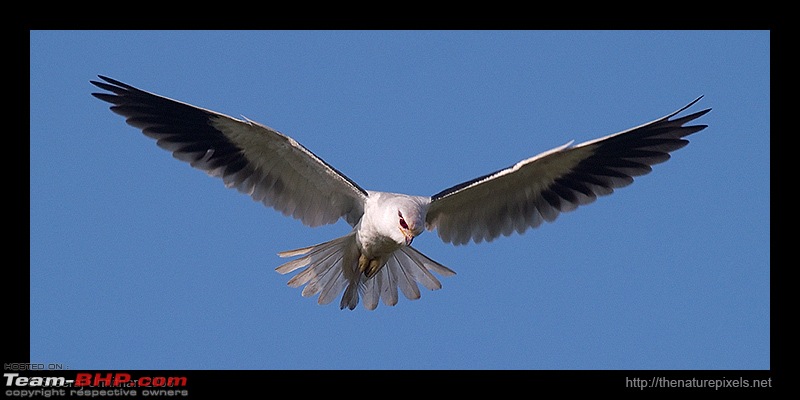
x=410 y=223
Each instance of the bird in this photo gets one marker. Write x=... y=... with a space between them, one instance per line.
x=376 y=257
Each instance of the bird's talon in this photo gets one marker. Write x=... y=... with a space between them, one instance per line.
x=362 y=263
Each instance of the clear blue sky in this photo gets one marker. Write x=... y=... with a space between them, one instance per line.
x=138 y=261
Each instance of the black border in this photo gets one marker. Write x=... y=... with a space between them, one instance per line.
x=16 y=306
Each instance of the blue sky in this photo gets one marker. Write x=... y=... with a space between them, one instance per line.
x=138 y=261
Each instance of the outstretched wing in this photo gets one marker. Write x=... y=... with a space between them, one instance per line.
x=270 y=167
x=559 y=180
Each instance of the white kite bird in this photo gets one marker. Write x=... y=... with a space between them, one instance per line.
x=376 y=257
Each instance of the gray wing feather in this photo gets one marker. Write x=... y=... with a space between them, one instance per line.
x=256 y=160
x=538 y=189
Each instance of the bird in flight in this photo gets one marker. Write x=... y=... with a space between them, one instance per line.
x=376 y=257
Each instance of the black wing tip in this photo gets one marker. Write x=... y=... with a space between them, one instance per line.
x=693 y=102
x=101 y=84
x=703 y=112
x=116 y=88
x=684 y=108
x=113 y=85
x=107 y=97
x=111 y=81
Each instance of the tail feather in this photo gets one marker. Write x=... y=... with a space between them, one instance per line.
x=311 y=253
x=350 y=297
x=342 y=277
x=319 y=268
x=332 y=288
x=420 y=273
x=372 y=290
x=297 y=252
x=332 y=267
x=404 y=277
x=427 y=262
x=389 y=289
x=316 y=282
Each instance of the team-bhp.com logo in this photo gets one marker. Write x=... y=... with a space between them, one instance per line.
x=123 y=379
x=94 y=384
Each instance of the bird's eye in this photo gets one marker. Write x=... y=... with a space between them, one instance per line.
x=402 y=220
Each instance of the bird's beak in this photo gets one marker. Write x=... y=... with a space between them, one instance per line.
x=409 y=236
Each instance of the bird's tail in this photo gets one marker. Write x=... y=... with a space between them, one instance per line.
x=333 y=266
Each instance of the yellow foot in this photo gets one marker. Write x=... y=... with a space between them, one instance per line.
x=363 y=262
x=369 y=267
x=374 y=267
